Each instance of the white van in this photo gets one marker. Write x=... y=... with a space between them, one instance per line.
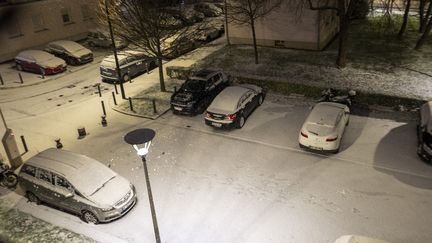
x=78 y=184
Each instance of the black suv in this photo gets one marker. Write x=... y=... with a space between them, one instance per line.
x=198 y=91
x=424 y=132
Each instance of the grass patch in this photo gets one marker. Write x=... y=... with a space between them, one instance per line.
x=142 y=103
x=16 y=226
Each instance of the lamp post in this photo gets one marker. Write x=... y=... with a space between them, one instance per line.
x=144 y=137
x=114 y=48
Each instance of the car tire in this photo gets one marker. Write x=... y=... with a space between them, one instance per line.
x=241 y=121
x=19 y=67
x=260 y=100
x=33 y=198
x=89 y=217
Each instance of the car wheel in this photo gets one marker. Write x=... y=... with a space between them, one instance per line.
x=89 y=217
x=241 y=121
x=33 y=198
x=260 y=100
x=126 y=78
x=19 y=67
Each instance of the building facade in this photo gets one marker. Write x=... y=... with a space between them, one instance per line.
x=286 y=28
x=32 y=24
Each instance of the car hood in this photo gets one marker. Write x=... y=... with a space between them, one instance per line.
x=185 y=96
x=112 y=191
x=53 y=62
x=81 y=52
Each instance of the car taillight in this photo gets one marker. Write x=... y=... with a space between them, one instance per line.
x=304 y=134
x=230 y=117
x=331 y=139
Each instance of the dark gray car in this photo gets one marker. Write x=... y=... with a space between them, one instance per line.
x=78 y=184
x=132 y=64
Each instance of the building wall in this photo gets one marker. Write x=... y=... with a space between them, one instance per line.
x=289 y=29
x=35 y=23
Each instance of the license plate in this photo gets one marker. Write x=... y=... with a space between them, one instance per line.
x=177 y=108
x=216 y=124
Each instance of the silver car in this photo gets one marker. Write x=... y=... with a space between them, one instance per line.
x=78 y=184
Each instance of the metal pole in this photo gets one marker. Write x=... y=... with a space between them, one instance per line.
x=130 y=104
x=20 y=77
x=103 y=108
x=99 y=90
x=114 y=98
x=1 y=80
x=154 y=106
x=4 y=121
x=115 y=87
x=24 y=143
x=150 y=195
x=119 y=78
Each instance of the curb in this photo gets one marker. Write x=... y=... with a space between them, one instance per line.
x=138 y=115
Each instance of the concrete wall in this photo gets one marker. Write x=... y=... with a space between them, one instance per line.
x=39 y=22
x=289 y=29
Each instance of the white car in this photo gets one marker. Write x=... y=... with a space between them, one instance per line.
x=324 y=127
x=70 y=51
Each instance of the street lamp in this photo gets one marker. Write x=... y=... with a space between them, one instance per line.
x=143 y=137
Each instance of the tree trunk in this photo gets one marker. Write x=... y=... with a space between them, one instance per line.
x=254 y=40
x=421 y=15
x=405 y=19
x=424 y=36
x=226 y=23
x=343 y=34
x=161 y=75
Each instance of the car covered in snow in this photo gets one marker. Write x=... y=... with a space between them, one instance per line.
x=187 y=15
x=70 y=51
x=102 y=38
x=233 y=106
x=324 y=127
x=198 y=91
x=132 y=64
x=424 y=132
x=77 y=184
x=39 y=62
x=208 y=9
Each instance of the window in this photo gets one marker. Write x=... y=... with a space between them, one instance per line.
x=65 y=14
x=279 y=43
x=38 y=22
x=86 y=13
x=62 y=182
x=30 y=170
x=45 y=176
x=14 y=30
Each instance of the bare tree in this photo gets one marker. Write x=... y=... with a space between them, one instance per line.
x=147 y=25
x=247 y=12
x=405 y=19
x=425 y=8
x=345 y=14
x=427 y=29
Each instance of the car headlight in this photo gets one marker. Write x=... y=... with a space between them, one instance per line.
x=107 y=209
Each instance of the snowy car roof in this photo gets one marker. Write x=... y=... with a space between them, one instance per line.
x=35 y=55
x=121 y=56
x=67 y=44
x=228 y=99
x=326 y=113
x=85 y=174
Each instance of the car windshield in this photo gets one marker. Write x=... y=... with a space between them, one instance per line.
x=43 y=56
x=194 y=85
x=73 y=47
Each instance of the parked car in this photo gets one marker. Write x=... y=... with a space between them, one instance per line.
x=132 y=64
x=39 y=62
x=198 y=91
x=208 y=9
x=424 y=132
x=101 y=38
x=208 y=34
x=78 y=184
x=175 y=47
x=70 y=51
x=234 y=105
x=188 y=16
x=324 y=127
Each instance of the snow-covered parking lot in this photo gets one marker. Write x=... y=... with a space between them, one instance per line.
x=256 y=185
